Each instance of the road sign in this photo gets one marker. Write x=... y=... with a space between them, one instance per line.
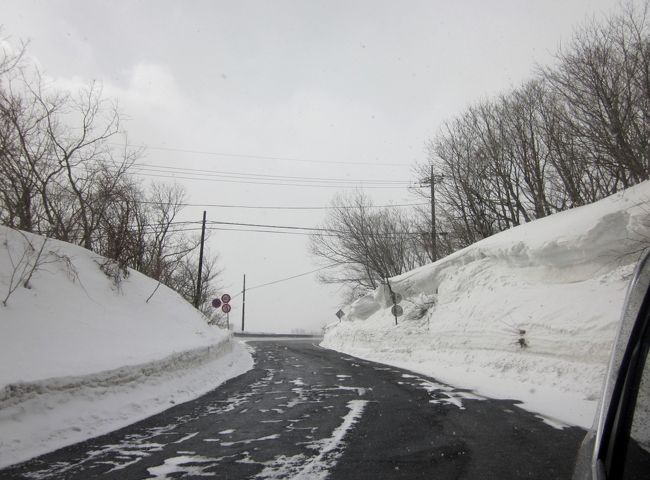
x=398 y=298
x=225 y=298
x=397 y=310
x=340 y=314
x=226 y=308
x=216 y=303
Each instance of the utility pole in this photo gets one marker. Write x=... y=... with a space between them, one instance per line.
x=434 y=246
x=243 y=304
x=197 y=297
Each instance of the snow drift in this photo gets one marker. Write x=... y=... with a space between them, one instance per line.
x=82 y=352
x=528 y=314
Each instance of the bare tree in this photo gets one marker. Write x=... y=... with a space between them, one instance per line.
x=368 y=243
x=575 y=133
x=62 y=176
x=603 y=79
x=165 y=203
x=183 y=280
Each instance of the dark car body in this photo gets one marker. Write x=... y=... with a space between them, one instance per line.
x=618 y=446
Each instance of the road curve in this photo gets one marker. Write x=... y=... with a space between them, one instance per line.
x=307 y=412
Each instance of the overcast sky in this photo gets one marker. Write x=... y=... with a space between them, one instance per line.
x=335 y=86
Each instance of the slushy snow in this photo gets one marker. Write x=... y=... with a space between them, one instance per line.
x=528 y=314
x=82 y=355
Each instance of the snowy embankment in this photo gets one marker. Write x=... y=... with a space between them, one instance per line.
x=527 y=314
x=82 y=352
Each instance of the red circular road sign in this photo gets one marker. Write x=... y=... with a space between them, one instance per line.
x=225 y=298
x=216 y=303
x=226 y=308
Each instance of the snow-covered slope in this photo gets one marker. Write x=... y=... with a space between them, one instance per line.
x=528 y=314
x=82 y=354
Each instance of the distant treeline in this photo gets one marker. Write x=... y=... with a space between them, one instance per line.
x=573 y=134
x=65 y=172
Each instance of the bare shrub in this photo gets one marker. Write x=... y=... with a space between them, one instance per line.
x=115 y=272
x=23 y=265
x=27 y=256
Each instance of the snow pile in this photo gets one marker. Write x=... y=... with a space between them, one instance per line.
x=82 y=352
x=528 y=314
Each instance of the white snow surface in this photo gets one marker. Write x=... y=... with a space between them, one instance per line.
x=561 y=279
x=80 y=356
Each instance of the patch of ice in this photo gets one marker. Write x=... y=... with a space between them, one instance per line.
x=184 y=465
x=186 y=437
x=301 y=467
x=275 y=436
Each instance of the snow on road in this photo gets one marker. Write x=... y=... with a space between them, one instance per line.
x=329 y=449
x=82 y=354
x=528 y=314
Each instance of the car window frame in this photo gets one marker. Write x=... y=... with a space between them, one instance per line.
x=617 y=427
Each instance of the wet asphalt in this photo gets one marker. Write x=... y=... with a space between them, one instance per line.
x=307 y=412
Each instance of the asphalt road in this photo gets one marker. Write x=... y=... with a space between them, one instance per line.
x=306 y=412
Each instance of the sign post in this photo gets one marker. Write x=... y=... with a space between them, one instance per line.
x=226 y=309
x=223 y=302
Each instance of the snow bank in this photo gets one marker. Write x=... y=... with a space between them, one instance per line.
x=528 y=314
x=82 y=354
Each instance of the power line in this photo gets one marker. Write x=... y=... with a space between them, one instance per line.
x=144 y=170
x=262 y=176
x=309 y=185
x=292 y=227
x=262 y=157
x=265 y=231
x=221 y=229
x=267 y=207
x=293 y=276
x=308 y=231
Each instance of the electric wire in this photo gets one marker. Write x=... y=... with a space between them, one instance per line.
x=261 y=157
x=277 y=184
x=183 y=173
x=290 y=278
x=198 y=229
x=289 y=207
x=291 y=227
x=244 y=175
x=308 y=232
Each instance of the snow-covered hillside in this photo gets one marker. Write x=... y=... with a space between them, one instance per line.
x=528 y=314
x=82 y=353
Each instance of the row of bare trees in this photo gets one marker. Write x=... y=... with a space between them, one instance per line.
x=575 y=133
x=63 y=174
